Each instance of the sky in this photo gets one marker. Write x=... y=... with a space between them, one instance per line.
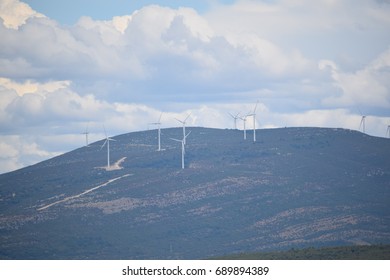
x=71 y=66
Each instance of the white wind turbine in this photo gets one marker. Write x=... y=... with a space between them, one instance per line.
x=159 y=132
x=86 y=136
x=363 y=124
x=254 y=121
x=244 y=120
x=108 y=139
x=183 y=151
x=184 y=127
x=235 y=119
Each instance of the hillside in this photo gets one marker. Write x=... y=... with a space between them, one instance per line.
x=293 y=188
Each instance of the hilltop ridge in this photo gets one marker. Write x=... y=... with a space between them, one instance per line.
x=294 y=187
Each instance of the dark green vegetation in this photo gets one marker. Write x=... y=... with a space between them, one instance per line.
x=362 y=252
x=293 y=188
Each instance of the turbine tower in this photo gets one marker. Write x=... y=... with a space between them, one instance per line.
x=86 y=136
x=184 y=127
x=363 y=124
x=254 y=121
x=388 y=131
x=244 y=120
x=183 y=151
x=159 y=132
x=235 y=119
x=108 y=139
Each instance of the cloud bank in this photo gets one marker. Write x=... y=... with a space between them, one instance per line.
x=309 y=64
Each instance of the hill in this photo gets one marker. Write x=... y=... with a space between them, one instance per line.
x=293 y=188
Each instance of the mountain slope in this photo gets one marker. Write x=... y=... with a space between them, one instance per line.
x=294 y=187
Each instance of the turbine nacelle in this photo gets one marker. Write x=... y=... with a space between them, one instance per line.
x=106 y=142
x=185 y=120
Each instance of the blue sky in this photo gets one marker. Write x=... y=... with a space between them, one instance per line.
x=68 y=65
x=68 y=12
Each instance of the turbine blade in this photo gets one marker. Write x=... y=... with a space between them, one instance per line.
x=177 y=140
x=103 y=144
x=159 y=119
x=254 y=111
x=179 y=121
x=187 y=134
x=187 y=117
x=105 y=133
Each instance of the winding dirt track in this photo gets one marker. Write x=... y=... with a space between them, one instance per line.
x=83 y=193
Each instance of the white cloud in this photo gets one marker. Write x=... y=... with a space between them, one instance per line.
x=121 y=22
x=154 y=47
x=319 y=29
x=41 y=104
x=30 y=86
x=367 y=87
x=15 y=13
x=17 y=152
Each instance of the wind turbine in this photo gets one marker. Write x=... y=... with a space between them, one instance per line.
x=108 y=139
x=363 y=124
x=244 y=120
x=159 y=132
x=235 y=119
x=254 y=121
x=183 y=151
x=388 y=131
x=184 y=127
x=86 y=136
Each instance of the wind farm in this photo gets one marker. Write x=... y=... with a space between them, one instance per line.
x=183 y=122
x=219 y=182
x=293 y=187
